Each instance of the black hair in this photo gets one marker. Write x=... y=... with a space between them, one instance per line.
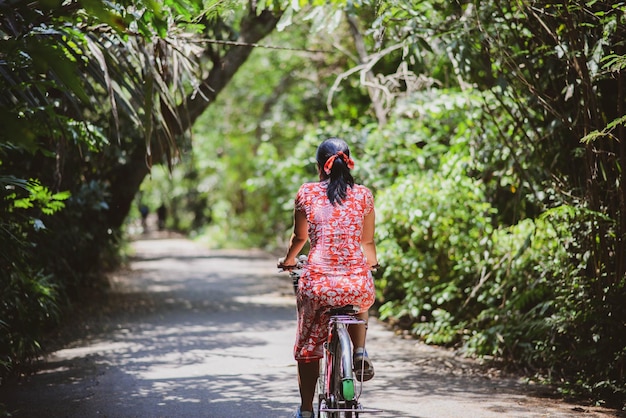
x=339 y=178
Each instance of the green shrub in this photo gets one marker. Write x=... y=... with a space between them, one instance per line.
x=522 y=293
x=433 y=233
x=28 y=307
x=515 y=295
x=28 y=291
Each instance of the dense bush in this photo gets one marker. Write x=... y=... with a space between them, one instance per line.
x=30 y=306
x=434 y=234
x=30 y=296
x=515 y=293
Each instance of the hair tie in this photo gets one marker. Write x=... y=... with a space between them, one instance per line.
x=331 y=160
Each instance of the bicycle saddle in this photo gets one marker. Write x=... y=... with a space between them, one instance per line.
x=343 y=310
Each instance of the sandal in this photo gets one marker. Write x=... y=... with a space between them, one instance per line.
x=300 y=414
x=363 y=367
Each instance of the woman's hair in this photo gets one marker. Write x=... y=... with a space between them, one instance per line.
x=339 y=176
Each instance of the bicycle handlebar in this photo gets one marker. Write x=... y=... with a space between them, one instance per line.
x=301 y=261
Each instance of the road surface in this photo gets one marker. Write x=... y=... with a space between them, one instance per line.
x=191 y=332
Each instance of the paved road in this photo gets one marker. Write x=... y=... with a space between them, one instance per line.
x=189 y=332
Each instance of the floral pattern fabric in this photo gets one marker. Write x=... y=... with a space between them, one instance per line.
x=337 y=273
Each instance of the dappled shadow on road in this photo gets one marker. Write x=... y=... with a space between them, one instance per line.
x=191 y=335
x=183 y=367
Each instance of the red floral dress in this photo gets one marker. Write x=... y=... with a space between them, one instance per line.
x=337 y=273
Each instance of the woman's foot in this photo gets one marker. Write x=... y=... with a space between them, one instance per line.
x=363 y=367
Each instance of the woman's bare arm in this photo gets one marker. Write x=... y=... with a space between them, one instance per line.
x=298 y=238
x=367 y=239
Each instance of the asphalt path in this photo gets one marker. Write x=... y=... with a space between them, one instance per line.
x=191 y=332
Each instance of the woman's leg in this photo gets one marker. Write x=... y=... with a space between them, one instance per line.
x=307 y=379
x=362 y=366
x=358 y=331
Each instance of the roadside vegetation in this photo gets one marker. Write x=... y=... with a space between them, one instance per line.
x=492 y=133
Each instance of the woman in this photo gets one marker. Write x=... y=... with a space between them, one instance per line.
x=337 y=217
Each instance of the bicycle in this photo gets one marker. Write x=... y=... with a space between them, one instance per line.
x=338 y=396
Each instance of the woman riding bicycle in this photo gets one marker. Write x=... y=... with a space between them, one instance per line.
x=337 y=217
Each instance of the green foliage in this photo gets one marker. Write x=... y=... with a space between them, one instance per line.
x=540 y=304
x=573 y=46
x=39 y=195
x=41 y=243
x=30 y=307
x=516 y=293
x=514 y=297
x=434 y=233
x=29 y=301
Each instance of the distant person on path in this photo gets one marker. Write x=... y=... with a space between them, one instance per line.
x=161 y=216
x=337 y=217
x=144 y=210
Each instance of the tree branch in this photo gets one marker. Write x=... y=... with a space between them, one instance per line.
x=253 y=28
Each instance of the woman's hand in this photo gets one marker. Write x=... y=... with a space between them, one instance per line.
x=286 y=264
